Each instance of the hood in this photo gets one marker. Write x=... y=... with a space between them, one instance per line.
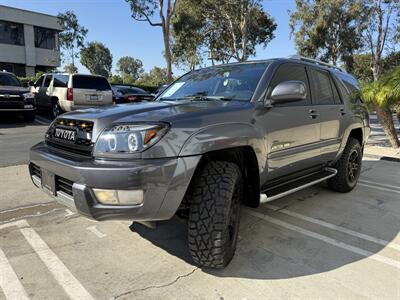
x=152 y=111
x=13 y=90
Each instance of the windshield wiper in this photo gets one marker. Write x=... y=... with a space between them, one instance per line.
x=207 y=98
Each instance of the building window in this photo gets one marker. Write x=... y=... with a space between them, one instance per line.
x=45 y=38
x=11 y=33
x=17 y=69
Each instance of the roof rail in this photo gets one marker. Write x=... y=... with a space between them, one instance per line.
x=316 y=61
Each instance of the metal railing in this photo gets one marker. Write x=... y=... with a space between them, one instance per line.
x=316 y=61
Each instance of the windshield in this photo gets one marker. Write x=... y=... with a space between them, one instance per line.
x=9 y=80
x=226 y=82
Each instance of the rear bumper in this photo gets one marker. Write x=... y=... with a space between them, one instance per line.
x=164 y=182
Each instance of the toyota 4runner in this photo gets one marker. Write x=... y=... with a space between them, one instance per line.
x=214 y=140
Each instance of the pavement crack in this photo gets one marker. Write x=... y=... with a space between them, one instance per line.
x=156 y=286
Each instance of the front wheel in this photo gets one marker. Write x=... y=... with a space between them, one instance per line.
x=214 y=214
x=348 y=167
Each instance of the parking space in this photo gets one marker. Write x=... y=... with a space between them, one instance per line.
x=314 y=242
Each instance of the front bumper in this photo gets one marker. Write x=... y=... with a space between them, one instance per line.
x=164 y=182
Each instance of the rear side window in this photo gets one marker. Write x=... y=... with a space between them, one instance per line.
x=47 y=81
x=349 y=89
x=322 y=87
x=288 y=72
x=90 y=82
x=61 y=81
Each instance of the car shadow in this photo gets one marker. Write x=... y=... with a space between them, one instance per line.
x=267 y=250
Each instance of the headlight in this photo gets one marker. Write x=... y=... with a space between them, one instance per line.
x=28 y=96
x=129 y=138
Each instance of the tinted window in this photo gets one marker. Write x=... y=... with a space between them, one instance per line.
x=130 y=90
x=45 y=38
x=90 y=82
x=322 y=89
x=288 y=72
x=39 y=81
x=236 y=82
x=349 y=89
x=335 y=93
x=10 y=80
x=47 y=81
x=11 y=33
x=61 y=81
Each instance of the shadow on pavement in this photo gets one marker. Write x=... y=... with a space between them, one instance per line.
x=268 y=251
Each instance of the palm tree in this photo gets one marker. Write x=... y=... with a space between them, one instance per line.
x=385 y=93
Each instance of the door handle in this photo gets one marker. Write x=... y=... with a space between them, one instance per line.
x=342 y=111
x=313 y=113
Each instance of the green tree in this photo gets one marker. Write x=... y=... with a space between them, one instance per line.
x=381 y=31
x=115 y=79
x=97 y=58
x=328 y=29
x=155 y=77
x=73 y=36
x=130 y=68
x=144 y=11
x=70 y=68
x=228 y=29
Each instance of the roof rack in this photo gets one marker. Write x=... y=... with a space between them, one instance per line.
x=316 y=61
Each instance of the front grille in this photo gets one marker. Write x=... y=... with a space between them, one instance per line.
x=6 y=104
x=35 y=171
x=82 y=146
x=64 y=185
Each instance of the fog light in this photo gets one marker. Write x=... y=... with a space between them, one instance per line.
x=28 y=106
x=119 y=197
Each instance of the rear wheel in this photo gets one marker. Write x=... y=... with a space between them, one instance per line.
x=55 y=109
x=348 y=167
x=214 y=214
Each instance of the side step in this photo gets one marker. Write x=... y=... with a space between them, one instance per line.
x=296 y=185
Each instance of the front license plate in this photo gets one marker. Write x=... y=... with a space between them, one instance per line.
x=65 y=134
x=48 y=182
x=94 y=97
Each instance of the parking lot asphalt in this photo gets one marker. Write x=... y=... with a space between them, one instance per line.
x=314 y=244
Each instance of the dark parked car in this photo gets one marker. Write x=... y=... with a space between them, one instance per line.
x=16 y=99
x=128 y=94
x=214 y=140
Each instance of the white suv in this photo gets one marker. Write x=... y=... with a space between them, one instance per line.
x=66 y=92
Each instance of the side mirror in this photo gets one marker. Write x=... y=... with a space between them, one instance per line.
x=288 y=91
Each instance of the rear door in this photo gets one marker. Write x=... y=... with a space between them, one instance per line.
x=91 y=90
x=37 y=88
x=292 y=129
x=331 y=110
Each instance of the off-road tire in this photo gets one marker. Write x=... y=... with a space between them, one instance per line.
x=29 y=116
x=214 y=214
x=343 y=181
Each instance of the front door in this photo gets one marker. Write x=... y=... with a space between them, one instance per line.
x=292 y=129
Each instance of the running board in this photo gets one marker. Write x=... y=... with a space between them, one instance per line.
x=296 y=185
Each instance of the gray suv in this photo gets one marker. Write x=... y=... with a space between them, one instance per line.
x=214 y=140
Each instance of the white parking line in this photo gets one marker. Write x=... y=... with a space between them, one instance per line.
x=60 y=272
x=379 y=188
x=97 y=232
x=19 y=223
x=335 y=227
x=9 y=282
x=359 y=251
x=380 y=184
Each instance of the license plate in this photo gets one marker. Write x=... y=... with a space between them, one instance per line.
x=94 y=97
x=65 y=134
x=48 y=182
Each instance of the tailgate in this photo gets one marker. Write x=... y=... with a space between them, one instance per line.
x=92 y=97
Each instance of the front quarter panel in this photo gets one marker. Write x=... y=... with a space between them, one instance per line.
x=223 y=136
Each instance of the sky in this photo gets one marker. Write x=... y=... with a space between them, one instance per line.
x=110 y=22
